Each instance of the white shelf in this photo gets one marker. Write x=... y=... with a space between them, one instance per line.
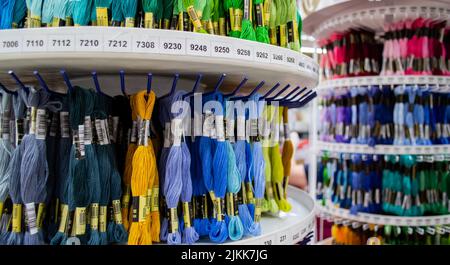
x=288 y=228
x=383 y=149
x=80 y=50
x=385 y=219
x=441 y=83
x=371 y=14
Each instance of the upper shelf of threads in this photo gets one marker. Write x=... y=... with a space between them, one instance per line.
x=384 y=149
x=139 y=51
x=379 y=219
x=372 y=15
x=439 y=83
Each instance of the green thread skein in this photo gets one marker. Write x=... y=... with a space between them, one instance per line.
x=248 y=32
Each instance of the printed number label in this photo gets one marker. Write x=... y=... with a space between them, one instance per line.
x=243 y=52
x=195 y=47
x=145 y=44
x=61 y=43
x=118 y=44
x=262 y=55
x=268 y=242
x=277 y=58
x=198 y=48
x=283 y=238
x=89 y=43
x=35 y=43
x=221 y=49
x=173 y=47
x=10 y=44
x=122 y=44
x=295 y=236
x=290 y=60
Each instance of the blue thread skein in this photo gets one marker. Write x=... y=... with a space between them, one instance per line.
x=173 y=178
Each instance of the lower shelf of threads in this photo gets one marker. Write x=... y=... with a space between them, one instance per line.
x=384 y=149
x=379 y=219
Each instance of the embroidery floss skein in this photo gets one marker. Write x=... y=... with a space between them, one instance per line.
x=93 y=169
x=219 y=229
x=234 y=179
x=173 y=181
x=143 y=163
x=16 y=235
x=116 y=230
x=62 y=168
x=190 y=235
x=258 y=165
x=267 y=119
x=277 y=166
x=6 y=147
x=80 y=190
x=128 y=167
x=34 y=167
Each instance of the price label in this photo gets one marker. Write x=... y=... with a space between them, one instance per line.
x=146 y=45
x=10 y=44
x=173 y=46
x=278 y=58
x=221 y=49
x=244 y=52
x=89 y=43
x=198 y=47
x=117 y=44
x=61 y=43
x=34 y=44
x=262 y=55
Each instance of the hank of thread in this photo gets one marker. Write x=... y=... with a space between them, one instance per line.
x=142 y=168
x=219 y=229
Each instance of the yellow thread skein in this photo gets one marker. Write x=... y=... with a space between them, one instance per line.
x=155 y=219
x=287 y=153
x=277 y=167
x=126 y=217
x=143 y=168
x=272 y=205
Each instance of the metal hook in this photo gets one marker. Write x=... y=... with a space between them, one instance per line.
x=67 y=80
x=16 y=78
x=43 y=83
x=288 y=99
x=194 y=89
x=216 y=88
x=258 y=87
x=236 y=90
x=174 y=86
x=7 y=90
x=270 y=91
x=149 y=83
x=97 y=84
x=305 y=100
x=122 y=82
x=281 y=92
